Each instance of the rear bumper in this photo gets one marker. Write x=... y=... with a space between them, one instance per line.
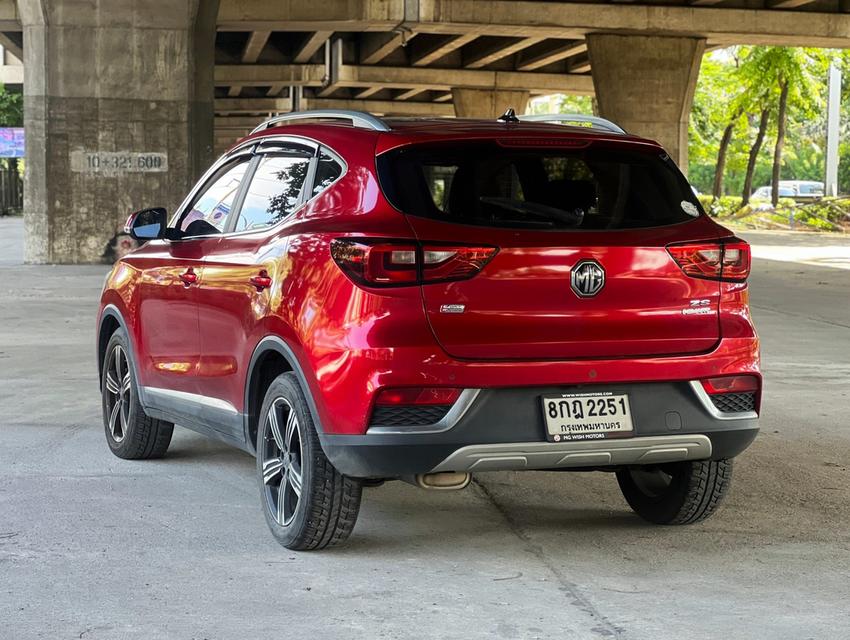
x=503 y=429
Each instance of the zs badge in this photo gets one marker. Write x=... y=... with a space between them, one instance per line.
x=587 y=278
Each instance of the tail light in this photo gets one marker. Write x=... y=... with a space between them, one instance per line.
x=727 y=260
x=730 y=384
x=390 y=263
x=417 y=396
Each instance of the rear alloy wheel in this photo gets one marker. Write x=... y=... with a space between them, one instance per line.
x=677 y=492
x=283 y=458
x=129 y=432
x=308 y=504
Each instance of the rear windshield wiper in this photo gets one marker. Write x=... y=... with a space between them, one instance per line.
x=571 y=218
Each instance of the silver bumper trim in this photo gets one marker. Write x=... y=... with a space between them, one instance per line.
x=460 y=407
x=583 y=453
x=708 y=405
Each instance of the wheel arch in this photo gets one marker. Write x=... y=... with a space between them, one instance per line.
x=272 y=357
x=111 y=320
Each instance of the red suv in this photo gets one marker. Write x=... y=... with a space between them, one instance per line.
x=353 y=299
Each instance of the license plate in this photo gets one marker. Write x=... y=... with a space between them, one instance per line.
x=587 y=416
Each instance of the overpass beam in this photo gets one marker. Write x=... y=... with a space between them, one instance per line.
x=646 y=85
x=118 y=112
x=487 y=103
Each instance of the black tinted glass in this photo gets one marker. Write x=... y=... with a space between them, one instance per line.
x=328 y=170
x=597 y=187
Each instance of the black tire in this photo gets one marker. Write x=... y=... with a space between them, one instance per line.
x=130 y=433
x=325 y=510
x=678 y=492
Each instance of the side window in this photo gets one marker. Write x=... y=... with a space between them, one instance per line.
x=275 y=190
x=208 y=213
x=328 y=170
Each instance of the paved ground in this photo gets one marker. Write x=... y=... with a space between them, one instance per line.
x=99 y=548
x=11 y=241
x=804 y=248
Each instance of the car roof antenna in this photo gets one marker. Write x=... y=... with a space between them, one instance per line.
x=508 y=117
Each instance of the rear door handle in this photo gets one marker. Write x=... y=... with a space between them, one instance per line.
x=262 y=280
x=189 y=277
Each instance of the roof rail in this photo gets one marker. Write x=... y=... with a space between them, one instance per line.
x=356 y=118
x=593 y=121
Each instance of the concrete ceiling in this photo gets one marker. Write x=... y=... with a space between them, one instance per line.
x=404 y=56
x=399 y=53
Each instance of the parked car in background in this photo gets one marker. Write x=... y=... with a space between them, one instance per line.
x=803 y=190
x=807 y=189
x=353 y=299
x=764 y=193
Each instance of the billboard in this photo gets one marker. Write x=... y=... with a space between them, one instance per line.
x=11 y=142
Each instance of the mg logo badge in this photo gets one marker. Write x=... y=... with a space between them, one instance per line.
x=587 y=278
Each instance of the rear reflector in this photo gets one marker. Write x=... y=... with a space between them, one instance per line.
x=730 y=384
x=417 y=396
x=400 y=263
x=727 y=260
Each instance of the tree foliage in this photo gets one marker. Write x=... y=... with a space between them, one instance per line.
x=735 y=87
x=11 y=108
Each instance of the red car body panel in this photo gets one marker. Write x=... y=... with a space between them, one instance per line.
x=523 y=327
x=520 y=306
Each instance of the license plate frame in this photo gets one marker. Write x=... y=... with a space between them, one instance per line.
x=571 y=421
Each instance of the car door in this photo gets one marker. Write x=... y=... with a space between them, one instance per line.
x=240 y=284
x=171 y=271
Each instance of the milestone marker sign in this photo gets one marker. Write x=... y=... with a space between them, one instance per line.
x=116 y=162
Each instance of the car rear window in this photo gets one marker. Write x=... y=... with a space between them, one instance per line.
x=595 y=187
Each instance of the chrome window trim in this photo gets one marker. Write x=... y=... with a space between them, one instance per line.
x=708 y=405
x=459 y=408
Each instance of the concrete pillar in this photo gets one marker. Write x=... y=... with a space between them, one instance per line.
x=118 y=111
x=646 y=85
x=487 y=103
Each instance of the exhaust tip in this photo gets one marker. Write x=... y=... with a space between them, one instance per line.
x=443 y=481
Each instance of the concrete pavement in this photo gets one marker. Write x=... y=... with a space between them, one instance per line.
x=805 y=248
x=100 y=548
x=11 y=241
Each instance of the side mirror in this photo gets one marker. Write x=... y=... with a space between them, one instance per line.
x=147 y=224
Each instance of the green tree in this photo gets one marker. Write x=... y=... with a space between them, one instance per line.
x=562 y=103
x=843 y=59
x=780 y=78
x=728 y=132
x=764 y=118
x=717 y=88
x=11 y=108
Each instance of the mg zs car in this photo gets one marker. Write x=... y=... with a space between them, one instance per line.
x=353 y=300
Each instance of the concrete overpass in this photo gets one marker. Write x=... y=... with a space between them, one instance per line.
x=106 y=80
